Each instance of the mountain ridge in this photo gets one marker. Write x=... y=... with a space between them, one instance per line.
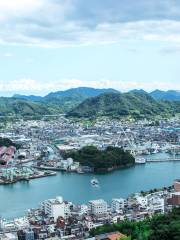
x=93 y=102
x=134 y=104
x=172 y=95
x=86 y=92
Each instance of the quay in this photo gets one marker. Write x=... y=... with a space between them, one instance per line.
x=11 y=179
x=162 y=159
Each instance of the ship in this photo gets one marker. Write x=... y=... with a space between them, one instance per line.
x=94 y=182
x=140 y=160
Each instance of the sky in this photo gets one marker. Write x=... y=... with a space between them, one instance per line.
x=51 y=45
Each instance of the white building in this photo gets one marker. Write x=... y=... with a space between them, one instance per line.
x=117 y=204
x=142 y=201
x=56 y=208
x=84 y=209
x=156 y=204
x=98 y=207
x=9 y=236
x=65 y=164
x=90 y=224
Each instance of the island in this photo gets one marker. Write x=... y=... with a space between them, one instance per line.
x=102 y=160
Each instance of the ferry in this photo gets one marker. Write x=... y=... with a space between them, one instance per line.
x=94 y=182
x=140 y=160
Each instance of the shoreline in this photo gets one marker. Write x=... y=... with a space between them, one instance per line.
x=26 y=179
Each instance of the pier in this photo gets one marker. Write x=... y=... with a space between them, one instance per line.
x=162 y=159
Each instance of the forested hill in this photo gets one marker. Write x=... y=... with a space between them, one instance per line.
x=13 y=106
x=172 y=95
x=64 y=101
x=135 y=104
x=102 y=160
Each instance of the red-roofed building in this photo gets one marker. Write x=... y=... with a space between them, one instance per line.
x=7 y=155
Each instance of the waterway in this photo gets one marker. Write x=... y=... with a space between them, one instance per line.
x=17 y=198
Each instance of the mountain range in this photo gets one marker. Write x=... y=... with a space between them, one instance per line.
x=166 y=95
x=64 y=101
x=84 y=101
x=82 y=93
x=137 y=104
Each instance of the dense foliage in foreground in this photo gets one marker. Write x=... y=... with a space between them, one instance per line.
x=111 y=157
x=160 y=227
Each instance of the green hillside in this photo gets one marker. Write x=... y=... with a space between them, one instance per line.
x=159 y=227
x=64 y=101
x=135 y=104
x=13 y=106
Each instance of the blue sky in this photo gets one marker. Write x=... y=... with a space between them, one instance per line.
x=50 y=45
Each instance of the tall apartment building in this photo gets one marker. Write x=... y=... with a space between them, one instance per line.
x=56 y=208
x=98 y=207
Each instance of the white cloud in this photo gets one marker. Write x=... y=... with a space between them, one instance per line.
x=30 y=86
x=19 y=6
x=53 y=23
x=8 y=54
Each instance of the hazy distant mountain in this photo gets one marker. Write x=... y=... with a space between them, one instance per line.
x=29 y=97
x=172 y=95
x=136 y=104
x=138 y=91
x=83 y=92
x=80 y=92
x=63 y=101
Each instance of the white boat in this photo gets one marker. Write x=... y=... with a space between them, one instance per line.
x=94 y=182
x=140 y=160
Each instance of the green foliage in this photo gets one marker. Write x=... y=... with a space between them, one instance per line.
x=162 y=227
x=86 y=103
x=16 y=107
x=64 y=101
x=135 y=104
x=111 y=157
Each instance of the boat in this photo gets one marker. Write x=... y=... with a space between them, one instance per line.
x=140 y=160
x=94 y=182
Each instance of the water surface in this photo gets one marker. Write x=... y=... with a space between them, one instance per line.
x=16 y=199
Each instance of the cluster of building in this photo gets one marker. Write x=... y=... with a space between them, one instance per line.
x=7 y=155
x=42 y=142
x=144 y=137
x=59 y=219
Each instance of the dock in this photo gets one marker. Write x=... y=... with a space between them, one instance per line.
x=162 y=159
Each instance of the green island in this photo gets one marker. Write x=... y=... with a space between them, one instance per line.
x=102 y=160
x=158 y=227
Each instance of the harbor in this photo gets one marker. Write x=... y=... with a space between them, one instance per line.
x=78 y=188
x=11 y=176
x=38 y=155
